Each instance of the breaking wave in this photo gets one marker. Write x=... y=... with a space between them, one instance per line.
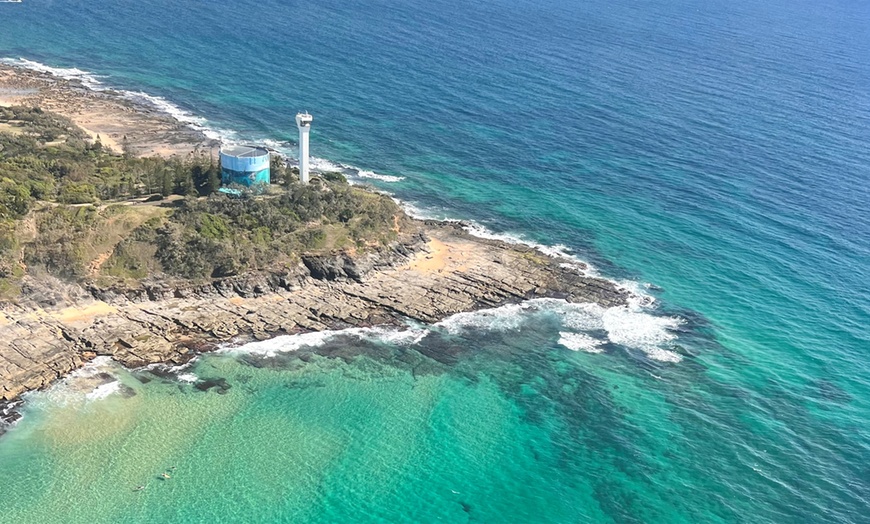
x=628 y=326
x=289 y=343
x=188 y=377
x=104 y=390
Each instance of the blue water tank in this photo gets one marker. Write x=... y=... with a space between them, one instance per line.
x=244 y=165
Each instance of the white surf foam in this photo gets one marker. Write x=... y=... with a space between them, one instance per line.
x=376 y=176
x=420 y=212
x=283 y=344
x=173 y=369
x=353 y=174
x=406 y=337
x=178 y=371
x=580 y=342
x=188 y=377
x=557 y=251
x=83 y=385
x=583 y=325
x=504 y=318
x=628 y=326
x=648 y=333
x=289 y=343
x=104 y=390
x=632 y=326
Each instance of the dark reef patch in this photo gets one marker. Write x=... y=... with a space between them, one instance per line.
x=220 y=385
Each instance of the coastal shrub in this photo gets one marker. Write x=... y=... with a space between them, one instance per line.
x=15 y=199
x=77 y=194
x=60 y=244
x=132 y=259
x=334 y=176
x=136 y=256
x=9 y=248
x=212 y=227
x=313 y=238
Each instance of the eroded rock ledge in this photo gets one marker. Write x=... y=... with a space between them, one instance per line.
x=427 y=277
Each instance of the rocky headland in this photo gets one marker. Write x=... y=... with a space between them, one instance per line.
x=426 y=272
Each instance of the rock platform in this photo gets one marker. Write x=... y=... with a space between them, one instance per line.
x=437 y=272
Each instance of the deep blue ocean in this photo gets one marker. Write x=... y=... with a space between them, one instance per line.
x=715 y=154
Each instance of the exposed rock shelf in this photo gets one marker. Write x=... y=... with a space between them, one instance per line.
x=427 y=278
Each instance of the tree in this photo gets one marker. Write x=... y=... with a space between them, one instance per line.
x=277 y=170
x=166 y=187
x=214 y=179
x=126 y=147
x=15 y=200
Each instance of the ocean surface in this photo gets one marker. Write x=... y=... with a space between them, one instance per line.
x=713 y=155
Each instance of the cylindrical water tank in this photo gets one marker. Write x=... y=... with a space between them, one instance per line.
x=245 y=165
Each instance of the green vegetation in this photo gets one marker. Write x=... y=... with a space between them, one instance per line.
x=74 y=210
x=44 y=157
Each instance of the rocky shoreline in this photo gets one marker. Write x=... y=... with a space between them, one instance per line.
x=427 y=276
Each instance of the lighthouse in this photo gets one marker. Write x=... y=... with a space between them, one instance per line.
x=303 y=122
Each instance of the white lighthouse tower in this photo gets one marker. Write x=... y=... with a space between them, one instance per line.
x=303 y=122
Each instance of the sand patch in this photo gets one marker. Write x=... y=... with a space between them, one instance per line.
x=434 y=260
x=107 y=141
x=9 y=128
x=71 y=315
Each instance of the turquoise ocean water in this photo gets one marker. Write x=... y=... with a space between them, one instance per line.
x=715 y=155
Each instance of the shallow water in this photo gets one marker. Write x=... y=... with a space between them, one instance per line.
x=718 y=151
x=484 y=416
